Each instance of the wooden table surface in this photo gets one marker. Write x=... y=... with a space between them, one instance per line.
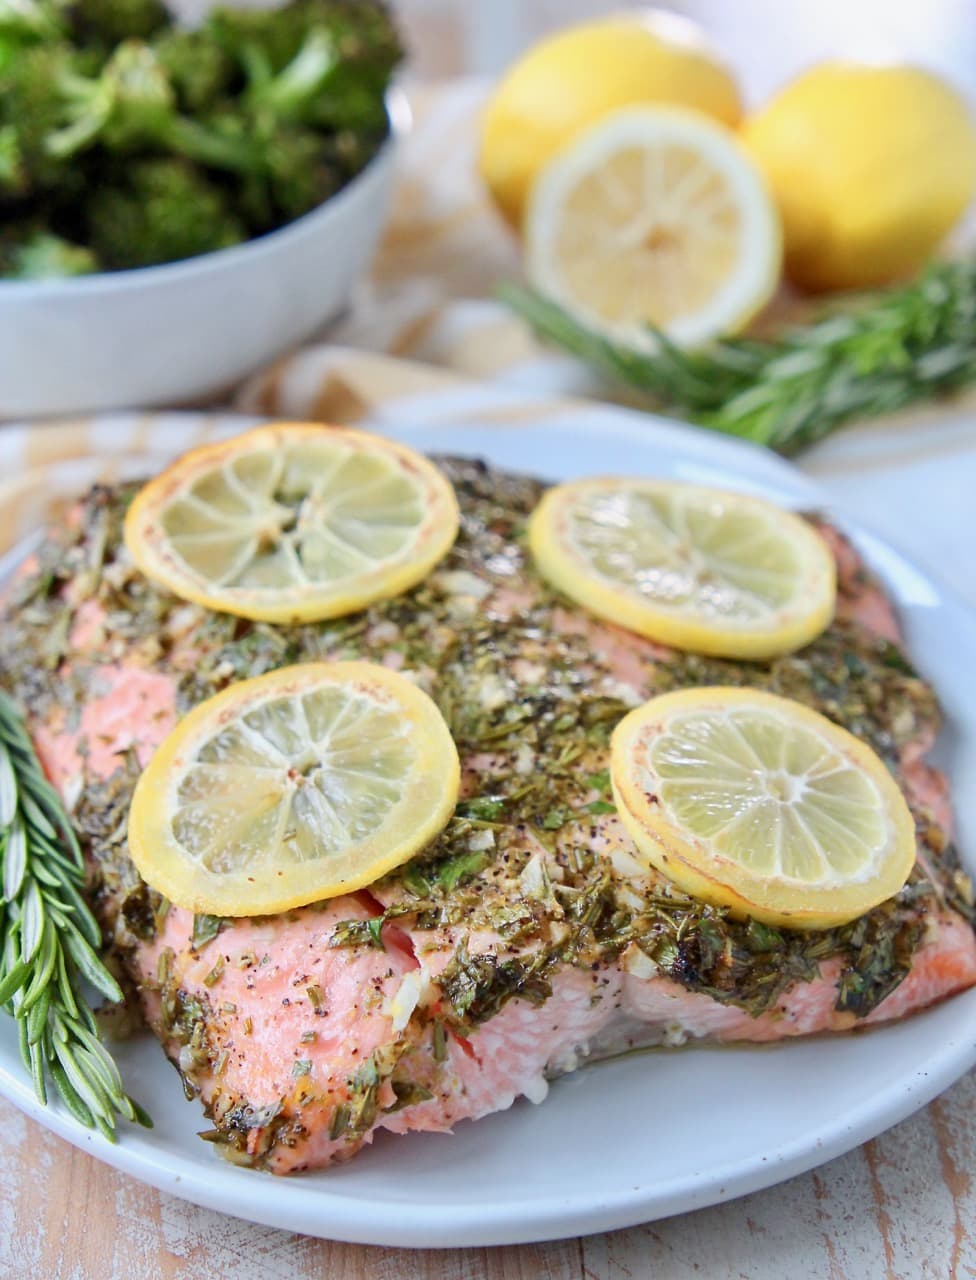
x=900 y=1207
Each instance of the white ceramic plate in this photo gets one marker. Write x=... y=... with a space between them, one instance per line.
x=633 y=1139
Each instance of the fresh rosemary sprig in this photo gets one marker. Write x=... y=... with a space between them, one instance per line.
x=876 y=353
x=49 y=941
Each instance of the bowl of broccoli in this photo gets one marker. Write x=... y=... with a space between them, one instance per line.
x=179 y=206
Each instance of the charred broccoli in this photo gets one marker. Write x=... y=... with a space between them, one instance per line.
x=147 y=142
x=360 y=30
x=108 y=22
x=13 y=176
x=39 y=255
x=24 y=23
x=132 y=106
x=164 y=210
x=30 y=111
x=301 y=173
x=200 y=71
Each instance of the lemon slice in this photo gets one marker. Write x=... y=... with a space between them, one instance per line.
x=301 y=784
x=759 y=804
x=655 y=215
x=692 y=567
x=293 y=522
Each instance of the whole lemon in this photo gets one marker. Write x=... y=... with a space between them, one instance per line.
x=581 y=74
x=870 y=167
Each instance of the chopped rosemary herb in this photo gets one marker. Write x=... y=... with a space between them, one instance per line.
x=357 y=933
x=476 y=987
x=340 y=1122
x=462 y=867
x=412 y=880
x=375 y=929
x=439 y=1041
x=301 y=1067
x=205 y=929
x=213 y=976
x=555 y=819
x=762 y=937
x=408 y=1093
x=599 y=781
x=487 y=808
x=599 y=806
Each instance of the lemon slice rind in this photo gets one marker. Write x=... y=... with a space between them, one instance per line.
x=293 y=522
x=700 y=569
x=714 y=823
x=698 y=260
x=296 y=786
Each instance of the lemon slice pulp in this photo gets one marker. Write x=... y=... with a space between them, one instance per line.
x=295 y=786
x=293 y=522
x=656 y=216
x=697 y=568
x=756 y=803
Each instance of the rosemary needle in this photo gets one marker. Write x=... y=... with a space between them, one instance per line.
x=874 y=354
x=49 y=942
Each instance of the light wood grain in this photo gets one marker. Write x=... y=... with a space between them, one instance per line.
x=901 y=1207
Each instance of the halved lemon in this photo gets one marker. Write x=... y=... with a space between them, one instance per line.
x=293 y=522
x=299 y=785
x=655 y=215
x=759 y=804
x=696 y=568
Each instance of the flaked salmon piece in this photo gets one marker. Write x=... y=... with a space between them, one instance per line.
x=529 y=936
x=860 y=596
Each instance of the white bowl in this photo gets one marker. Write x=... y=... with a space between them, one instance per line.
x=177 y=333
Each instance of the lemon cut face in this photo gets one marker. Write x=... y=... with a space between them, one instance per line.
x=298 y=785
x=654 y=216
x=696 y=568
x=759 y=804
x=293 y=522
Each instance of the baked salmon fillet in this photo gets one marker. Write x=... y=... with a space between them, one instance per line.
x=528 y=936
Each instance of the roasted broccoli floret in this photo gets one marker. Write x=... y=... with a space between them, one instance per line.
x=108 y=22
x=119 y=129
x=26 y=22
x=40 y=255
x=13 y=176
x=200 y=71
x=361 y=31
x=301 y=173
x=341 y=56
x=132 y=106
x=162 y=211
x=332 y=59
x=30 y=110
x=288 y=95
